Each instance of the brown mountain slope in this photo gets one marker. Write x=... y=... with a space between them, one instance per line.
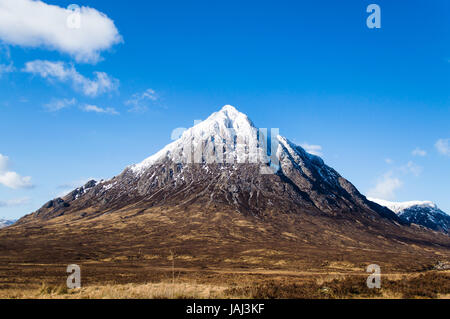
x=234 y=212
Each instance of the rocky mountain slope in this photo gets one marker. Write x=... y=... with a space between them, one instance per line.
x=224 y=189
x=226 y=160
x=424 y=213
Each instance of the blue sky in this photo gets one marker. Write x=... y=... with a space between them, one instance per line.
x=80 y=103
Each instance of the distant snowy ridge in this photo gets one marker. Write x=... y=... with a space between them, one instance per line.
x=398 y=207
x=5 y=222
x=424 y=213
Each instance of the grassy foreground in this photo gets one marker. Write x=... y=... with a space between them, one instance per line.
x=425 y=285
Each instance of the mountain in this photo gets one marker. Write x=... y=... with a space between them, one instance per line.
x=226 y=160
x=423 y=213
x=225 y=189
x=5 y=223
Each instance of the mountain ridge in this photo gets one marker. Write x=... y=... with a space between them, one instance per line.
x=424 y=213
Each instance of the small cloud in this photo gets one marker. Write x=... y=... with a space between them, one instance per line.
x=14 y=180
x=419 y=152
x=5 y=51
x=385 y=187
x=15 y=202
x=139 y=102
x=101 y=82
x=11 y=179
x=412 y=168
x=443 y=146
x=312 y=149
x=6 y=68
x=389 y=161
x=96 y=109
x=58 y=104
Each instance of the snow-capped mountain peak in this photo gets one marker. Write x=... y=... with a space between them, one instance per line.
x=231 y=115
x=226 y=136
x=226 y=124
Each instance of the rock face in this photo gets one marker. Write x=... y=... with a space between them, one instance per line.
x=226 y=161
x=424 y=213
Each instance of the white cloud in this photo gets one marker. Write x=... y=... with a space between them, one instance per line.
x=149 y=94
x=96 y=109
x=419 y=152
x=412 y=168
x=30 y=23
x=15 y=202
x=389 y=182
x=389 y=161
x=101 y=83
x=59 y=104
x=312 y=149
x=12 y=179
x=5 y=51
x=139 y=101
x=385 y=187
x=443 y=146
x=6 y=68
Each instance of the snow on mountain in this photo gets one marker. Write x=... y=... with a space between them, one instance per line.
x=227 y=136
x=5 y=223
x=230 y=137
x=424 y=213
x=398 y=207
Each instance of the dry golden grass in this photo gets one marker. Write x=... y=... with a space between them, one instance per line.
x=127 y=291
x=426 y=285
